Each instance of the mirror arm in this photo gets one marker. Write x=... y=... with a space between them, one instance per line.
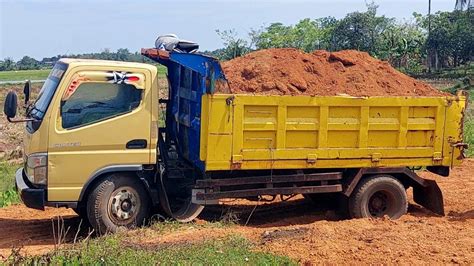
x=21 y=120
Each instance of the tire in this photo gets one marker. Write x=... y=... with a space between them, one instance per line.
x=118 y=201
x=378 y=196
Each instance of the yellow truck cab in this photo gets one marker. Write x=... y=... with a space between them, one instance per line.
x=91 y=117
x=93 y=143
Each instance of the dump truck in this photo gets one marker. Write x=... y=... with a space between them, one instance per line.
x=110 y=141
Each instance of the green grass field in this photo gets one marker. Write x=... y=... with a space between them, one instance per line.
x=42 y=74
x=20 y=75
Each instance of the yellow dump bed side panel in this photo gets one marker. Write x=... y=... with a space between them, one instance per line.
x=297 y=132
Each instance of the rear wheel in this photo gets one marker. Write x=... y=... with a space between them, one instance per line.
x=378 y=196
x=118 y=201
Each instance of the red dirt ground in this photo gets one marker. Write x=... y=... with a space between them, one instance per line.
x=295 y=228
x=291 y=71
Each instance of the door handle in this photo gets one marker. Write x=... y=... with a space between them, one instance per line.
x=136 y=144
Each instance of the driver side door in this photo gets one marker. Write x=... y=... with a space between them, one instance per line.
x=103 y=119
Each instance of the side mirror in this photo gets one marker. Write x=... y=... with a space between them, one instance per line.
x=26 y=91
x=10 y=106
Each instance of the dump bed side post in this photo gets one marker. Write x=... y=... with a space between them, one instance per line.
x=454 y=146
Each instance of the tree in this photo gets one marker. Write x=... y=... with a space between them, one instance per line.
x=307 y=35
x=123 y=54
x=7 y=64
x=452 y=38
x=402 y=45
x=361 y=30
x=430 y=52
x=28 y=63
x=327 y=26
x=234 y=46
x=276 y=35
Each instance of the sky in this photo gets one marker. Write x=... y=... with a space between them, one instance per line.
x=51 y=27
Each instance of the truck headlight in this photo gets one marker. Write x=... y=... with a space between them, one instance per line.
x=37 y=168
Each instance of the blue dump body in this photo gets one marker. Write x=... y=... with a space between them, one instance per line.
x=190 y=76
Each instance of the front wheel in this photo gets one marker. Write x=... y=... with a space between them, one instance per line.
x=378 y=196
x=118 y=201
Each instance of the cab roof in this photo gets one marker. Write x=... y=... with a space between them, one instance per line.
x=96 y=62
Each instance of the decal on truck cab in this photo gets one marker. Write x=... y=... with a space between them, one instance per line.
x=121 y=77
x=114 y=77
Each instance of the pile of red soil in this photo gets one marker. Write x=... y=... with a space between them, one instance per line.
x=294 y=72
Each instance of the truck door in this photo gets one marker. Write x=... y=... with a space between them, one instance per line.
x=101 y=119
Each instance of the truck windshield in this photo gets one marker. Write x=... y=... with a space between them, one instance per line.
x=46 y=93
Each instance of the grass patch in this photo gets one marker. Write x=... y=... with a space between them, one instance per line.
x=162 y=70
x=18 y=75
x=8 y=193
x=234 y=250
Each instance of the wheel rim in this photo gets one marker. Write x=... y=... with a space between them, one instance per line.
x=124 y=205
x=381 y=203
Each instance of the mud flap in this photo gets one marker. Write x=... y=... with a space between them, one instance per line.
x=429 y=195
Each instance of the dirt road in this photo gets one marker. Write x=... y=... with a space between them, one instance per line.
x=296 y=228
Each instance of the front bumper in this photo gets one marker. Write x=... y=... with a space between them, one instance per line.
x=32 y=197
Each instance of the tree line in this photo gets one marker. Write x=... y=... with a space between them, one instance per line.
x=29 y=63
x=421 y=44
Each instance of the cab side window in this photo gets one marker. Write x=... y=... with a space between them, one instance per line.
x=96 y=101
